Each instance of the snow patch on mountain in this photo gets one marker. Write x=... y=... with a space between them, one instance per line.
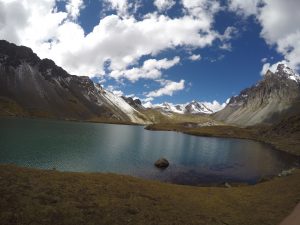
x=121 y=104
x=288 y=72
x=193 y=107
x=281 y=69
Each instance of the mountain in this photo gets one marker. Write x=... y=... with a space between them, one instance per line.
x=30 y=86
x=135 y=103
x=273 y=98
x=193 y=107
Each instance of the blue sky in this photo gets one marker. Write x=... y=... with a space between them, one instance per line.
x=161 y=50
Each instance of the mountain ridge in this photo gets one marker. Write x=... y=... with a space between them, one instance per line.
x=41 y=88
x=273 y=97
x=31 y=86
x=193 y=107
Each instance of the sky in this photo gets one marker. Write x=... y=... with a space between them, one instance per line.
x=161 y=50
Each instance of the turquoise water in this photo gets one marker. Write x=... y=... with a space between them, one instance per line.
x=92 y=147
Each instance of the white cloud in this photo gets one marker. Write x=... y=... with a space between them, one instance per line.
x=195 y=57
x=149 y=99
x=73 y=8
x=121 y=6
x=58 y=36
x=215 y=105
x=112 y=89
x=151 y=69
x=229 y=33
x=151 y=64
x=147 y=105
x=226 y=46
x=203 y=9
x=280 y=21
x=29 y=22
x=281 y=26
x=118 y=92
x=163 y=5
x=169 y=88
x=244 y=7
x=271 y=67
x=264 y=60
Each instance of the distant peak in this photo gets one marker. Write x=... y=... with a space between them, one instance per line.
x=268 y=73
x=284 y=71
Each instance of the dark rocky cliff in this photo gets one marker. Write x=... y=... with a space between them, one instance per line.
x=40 y=88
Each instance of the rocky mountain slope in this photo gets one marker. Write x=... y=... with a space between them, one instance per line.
x=30 y=86
x=273 y=98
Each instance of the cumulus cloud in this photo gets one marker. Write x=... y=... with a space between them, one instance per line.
x=271 y=67
x=118 y=93
x=201 y=8
x=106 y=50
x=73 y=8
x=58 y=36
x=229 y=33
x=28 y=22
x=195 y=57
x=147 y=105
x=169 y=88
x=245 y=7
x=151 y=69
x=113 y=89
x=280 y=21
x=120 y=6
x=163 y=5
x=215 y=106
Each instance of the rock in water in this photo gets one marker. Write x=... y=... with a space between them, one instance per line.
x=162 y=163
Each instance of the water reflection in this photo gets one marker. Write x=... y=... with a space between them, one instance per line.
x=89 y=147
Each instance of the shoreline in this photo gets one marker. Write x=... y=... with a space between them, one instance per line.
x=230 y=132
x=164 y=127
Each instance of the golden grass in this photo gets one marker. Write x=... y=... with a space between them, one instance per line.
x=30 y=196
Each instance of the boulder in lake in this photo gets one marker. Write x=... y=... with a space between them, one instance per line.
x=162 y=163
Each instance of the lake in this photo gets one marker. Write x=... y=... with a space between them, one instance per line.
x=132 y=150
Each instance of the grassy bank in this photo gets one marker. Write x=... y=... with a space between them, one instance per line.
x=284 y=136
x=30 y=196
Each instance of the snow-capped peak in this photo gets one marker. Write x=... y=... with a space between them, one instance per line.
x=284 y=70
x=193 y=107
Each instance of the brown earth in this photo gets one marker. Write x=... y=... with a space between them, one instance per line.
x=30 y=196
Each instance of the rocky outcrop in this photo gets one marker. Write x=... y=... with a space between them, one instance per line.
x=162 y=163
x=41 y=88
x=277 y=95
x=135 y=103
x=197 y=107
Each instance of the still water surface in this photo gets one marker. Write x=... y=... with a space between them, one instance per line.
x=92 y=147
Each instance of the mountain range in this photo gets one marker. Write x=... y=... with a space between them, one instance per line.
x=193 y=107
x=30 y=86
x=33 y=87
